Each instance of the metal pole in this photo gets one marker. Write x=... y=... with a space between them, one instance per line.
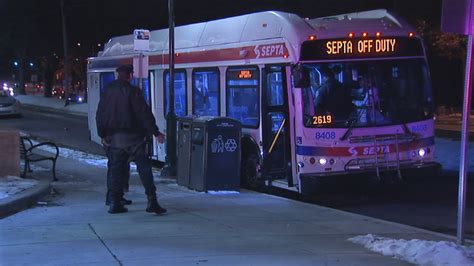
x=170 y=168
x=140 y=70
x=66 y=63
x=464 y=143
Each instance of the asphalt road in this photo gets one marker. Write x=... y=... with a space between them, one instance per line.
x=64 y=129
x=428 y=201
x=424 y=201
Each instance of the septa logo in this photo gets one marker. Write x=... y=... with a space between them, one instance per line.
x=379 y=150
x=269 y=50
x=353 y=151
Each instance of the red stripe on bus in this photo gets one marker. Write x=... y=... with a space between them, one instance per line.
x=275 y=50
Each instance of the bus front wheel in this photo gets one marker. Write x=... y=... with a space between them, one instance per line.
x=251 y=172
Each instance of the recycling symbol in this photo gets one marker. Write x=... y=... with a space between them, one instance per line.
x=230 y=145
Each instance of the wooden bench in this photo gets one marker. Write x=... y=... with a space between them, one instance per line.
x=28 y=155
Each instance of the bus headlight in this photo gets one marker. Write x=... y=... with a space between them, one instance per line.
x=422 y=152
x=322 y=161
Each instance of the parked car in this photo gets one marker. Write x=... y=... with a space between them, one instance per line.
x=8 y=104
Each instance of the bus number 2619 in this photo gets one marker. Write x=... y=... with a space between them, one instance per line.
x=322 y=120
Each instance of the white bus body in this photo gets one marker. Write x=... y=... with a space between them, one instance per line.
x=245 y=64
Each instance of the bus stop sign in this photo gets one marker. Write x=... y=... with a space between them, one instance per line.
x=457 y=16
x=141 y=40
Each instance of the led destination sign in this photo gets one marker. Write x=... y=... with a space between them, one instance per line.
x=361 y=48
x=365 y=46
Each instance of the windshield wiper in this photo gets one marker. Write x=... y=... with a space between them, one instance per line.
x=348 y=132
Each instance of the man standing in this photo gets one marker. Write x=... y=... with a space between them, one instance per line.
x=124 y=121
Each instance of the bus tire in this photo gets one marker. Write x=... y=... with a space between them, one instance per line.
x=251 y=176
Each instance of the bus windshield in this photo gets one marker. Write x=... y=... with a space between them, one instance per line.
x=367 y=93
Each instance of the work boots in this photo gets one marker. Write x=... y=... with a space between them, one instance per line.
x=124 y=201
x=153 y=206
x=117 y=207
x=108 y=199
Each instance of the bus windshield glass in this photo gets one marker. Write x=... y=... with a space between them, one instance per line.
x=367 y=93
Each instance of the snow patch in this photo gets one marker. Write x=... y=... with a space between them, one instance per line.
x=11 y=185
x=90 y=159
x=420 y=252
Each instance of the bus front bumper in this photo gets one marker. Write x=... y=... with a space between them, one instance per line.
x=312 y=183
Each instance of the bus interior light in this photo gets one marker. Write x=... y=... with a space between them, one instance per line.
x=322 y=161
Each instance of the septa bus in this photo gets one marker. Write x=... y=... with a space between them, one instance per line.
x=269 y=69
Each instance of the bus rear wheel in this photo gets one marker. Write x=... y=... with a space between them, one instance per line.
x=251 y=176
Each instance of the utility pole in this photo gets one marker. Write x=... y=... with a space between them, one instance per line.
x=170 y=167
x=66 y=76
x=458 y=17
x=464 y=143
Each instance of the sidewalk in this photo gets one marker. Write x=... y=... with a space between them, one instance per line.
x=247 y=228
x=17 y=201
x=53 y=104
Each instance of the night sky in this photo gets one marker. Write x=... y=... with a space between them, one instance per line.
x=33 y=27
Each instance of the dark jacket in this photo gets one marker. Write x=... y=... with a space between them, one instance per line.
x=122 y=108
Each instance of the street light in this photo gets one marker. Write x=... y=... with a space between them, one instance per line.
x=15 y=63
x=31 y=64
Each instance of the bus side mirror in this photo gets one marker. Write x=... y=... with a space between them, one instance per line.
x=300 y=76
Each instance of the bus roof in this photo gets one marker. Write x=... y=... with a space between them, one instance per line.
x=372 y=21
x=263 y=26
x=246 y=28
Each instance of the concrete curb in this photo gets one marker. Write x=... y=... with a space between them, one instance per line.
x=24 y=199
x=54 y=110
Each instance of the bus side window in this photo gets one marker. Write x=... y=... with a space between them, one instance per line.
x=206 y=92
x=242 y=93
x=180 y=102
x=105 y=79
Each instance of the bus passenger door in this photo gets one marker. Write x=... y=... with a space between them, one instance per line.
x=276 y=133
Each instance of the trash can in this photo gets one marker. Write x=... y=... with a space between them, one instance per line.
x=215 y=154
x=184 y=150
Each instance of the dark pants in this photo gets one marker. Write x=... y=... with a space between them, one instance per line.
x=118 y=161
x=126 y=170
